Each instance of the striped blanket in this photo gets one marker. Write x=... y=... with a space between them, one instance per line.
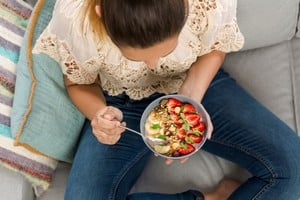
x=38 y=169
x=13 y=21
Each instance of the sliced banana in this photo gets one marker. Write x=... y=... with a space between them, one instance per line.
x=150 y=130
x=152 y=118
x=162 y=148
x=175 y=145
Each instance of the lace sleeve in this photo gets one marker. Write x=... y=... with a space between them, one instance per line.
x=229 y=37
x=215 y=23
x=63 y=41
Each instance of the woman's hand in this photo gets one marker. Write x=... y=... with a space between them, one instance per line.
x=106 y=125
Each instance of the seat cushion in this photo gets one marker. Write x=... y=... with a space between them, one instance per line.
x=268 y=74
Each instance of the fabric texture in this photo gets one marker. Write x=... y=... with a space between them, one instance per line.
x=63 y=40
x=38 y=169
x=43 y=117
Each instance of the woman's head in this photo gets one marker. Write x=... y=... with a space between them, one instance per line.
x=142 y=23
x=144 y=30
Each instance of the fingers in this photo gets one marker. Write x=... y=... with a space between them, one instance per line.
x=170 y=161
x=183 y=160
x=108 y=136
x=167 y=161
x=110 y=113
x=105 y=138
x=106 y=125
x=108 y=118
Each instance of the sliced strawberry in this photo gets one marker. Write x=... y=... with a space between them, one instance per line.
x=176 y=119
x=186 y=149
x=180 y=133
x=195 y=138
x=200 y=127
x=192 y=119
x=188 y=108
x=173 y=103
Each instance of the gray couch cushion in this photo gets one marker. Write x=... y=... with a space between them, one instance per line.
x=267 y=22
x=268 y=74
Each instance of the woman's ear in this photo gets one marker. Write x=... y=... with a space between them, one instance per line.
x=98 y=10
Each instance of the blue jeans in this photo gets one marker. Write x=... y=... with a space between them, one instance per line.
x=245 y=132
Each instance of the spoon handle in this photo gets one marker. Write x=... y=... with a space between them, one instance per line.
x=153 y=141
x=129 y=129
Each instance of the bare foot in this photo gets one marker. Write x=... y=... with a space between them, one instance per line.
x=223 y=190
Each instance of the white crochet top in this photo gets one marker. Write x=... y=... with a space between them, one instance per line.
x=211 y=25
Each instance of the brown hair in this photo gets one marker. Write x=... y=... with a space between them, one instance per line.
x=136 y=23
x=89 y=15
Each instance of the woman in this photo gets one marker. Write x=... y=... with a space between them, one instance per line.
x=119 y=55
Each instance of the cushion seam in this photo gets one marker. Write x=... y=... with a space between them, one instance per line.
x=29 y=42
x=298 y=23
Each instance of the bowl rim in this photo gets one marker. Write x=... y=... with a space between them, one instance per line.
x=182 y=98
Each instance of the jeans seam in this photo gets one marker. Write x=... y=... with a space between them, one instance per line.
x=123 y=172
x=254 y=155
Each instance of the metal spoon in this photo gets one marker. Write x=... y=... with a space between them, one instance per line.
x=151 y=141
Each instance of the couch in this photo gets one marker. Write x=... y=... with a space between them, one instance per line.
x=268 y=67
